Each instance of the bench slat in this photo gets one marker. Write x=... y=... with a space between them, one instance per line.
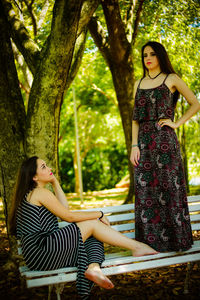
x=194 y=217
x=122 y=227
x=195 y=198
x=113 y=209
x=131 y=235
x=31 y=274
x=194 y=207
x=151 y=264
x=195 y=247
x=112 y=218
x=110 y=259
x=126 y=207
x=61 y=278
x=121 y=217
x=130 y=259
x=195 y=226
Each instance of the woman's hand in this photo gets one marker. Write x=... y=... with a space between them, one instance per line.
x=167 y=122
x=53 y=179
x=135 y=156
x=105 y=220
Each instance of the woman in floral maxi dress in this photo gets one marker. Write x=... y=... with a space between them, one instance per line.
x=161 y=209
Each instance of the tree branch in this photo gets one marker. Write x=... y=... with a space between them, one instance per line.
x=21 y=37
x=137 y=19
x=117 y=35
x=33 y=18
x=100 y=39
x=77 y=58
x=87 y=11
x=130 y=19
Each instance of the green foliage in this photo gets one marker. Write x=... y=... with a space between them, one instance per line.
x=37 y=17
x=175 y=23
x=103 y=168
x=102 y=147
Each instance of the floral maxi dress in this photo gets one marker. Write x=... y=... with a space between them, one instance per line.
x=161 y=210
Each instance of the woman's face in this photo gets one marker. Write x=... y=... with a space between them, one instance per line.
x=43 y=173
x=150 y=59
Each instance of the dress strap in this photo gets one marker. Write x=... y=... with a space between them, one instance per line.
x=165 y=78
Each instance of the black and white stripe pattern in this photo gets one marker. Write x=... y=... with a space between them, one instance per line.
x=46 y=247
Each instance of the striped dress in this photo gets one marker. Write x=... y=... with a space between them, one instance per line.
x=46 y=247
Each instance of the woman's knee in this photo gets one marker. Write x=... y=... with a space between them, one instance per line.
x=87 y=224
x=87 y=227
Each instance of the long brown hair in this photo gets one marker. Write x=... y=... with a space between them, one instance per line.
x=24 y=184
x=164 y=61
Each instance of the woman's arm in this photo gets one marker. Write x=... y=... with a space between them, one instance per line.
x=135 y=151
x=49 y=200
x=60 y=195
x=180 y=85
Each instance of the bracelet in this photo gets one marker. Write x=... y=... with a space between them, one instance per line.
x=136 y=145
x=102 y=214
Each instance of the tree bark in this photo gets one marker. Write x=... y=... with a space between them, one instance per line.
x=49 y=83
x=37 y=132
x=12 y=116
x=116 y=48
x=21 y=37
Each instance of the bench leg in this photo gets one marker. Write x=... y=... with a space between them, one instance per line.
x=59 y=289
x=58 y=295
x=50 y=287
x=187 y=278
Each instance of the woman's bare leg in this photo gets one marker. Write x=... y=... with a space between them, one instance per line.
x=95 y=274
x=110 y=236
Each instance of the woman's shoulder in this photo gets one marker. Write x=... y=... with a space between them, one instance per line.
x=137 y=83
x=174 y=81
x=37 y=194
x=173 y=77
x=41 y=191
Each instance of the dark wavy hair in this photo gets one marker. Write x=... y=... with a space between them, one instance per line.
x=24 y=184
x=163 y=58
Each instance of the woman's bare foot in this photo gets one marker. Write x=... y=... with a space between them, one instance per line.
x=143 y=249
x=97 y=276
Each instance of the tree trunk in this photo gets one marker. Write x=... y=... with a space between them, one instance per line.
x=49 y=83
x=36 y=134
x=12 y=116
x=123 y=81
x=117 y=51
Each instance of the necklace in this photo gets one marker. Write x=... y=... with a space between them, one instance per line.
x=155 y=76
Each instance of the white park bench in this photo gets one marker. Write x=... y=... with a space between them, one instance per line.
x=123 y=217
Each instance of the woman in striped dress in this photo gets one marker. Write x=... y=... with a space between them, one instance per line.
x=33 y=219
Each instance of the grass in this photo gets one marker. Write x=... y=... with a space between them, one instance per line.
x=98 y=198
x=194 y=190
